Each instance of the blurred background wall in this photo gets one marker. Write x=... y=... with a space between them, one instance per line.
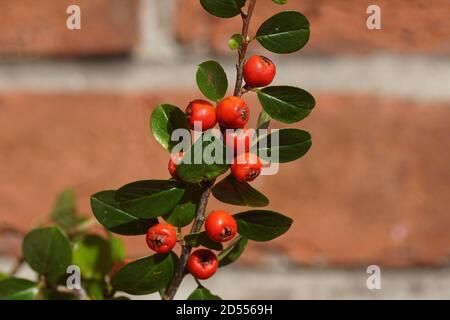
x=374 y=189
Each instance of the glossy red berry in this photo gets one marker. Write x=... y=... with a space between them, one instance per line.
x=161 y=237
x=246 y=167
x=202 y=264
x=175 y=160
x=238 y=140
x=202 y=112
x=259 y=71
x=220 y=226
x=233 y=113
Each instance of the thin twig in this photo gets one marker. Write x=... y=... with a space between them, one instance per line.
x=18 y=263
x=186 y=249
x=246 y=17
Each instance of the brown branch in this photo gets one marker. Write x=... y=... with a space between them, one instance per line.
x=186 y=249
x=181 y=271
x=246 y=17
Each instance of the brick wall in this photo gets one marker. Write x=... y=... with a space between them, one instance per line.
x=374 y=188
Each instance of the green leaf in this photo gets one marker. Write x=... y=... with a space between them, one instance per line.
x=18 y=289
x=233 y=252
x=150 y=198
x=263 y=120
x=280 y=1
x=185 y=210
x=146 y=275
x=286 y=104
x=201 y=239
x=199 y=164
x=64 y=212
x=212 y=80
x=165 y=119
x=223 y=8
x=53 y=294
x=95 y=289
x=92 y=254
x=262 y=225
x=285 y=32
x=48 y=252
x=3 y=276
x=231 y=191
x=201 y=293
x=117 y=247
x=292 y=144
x=115 y=219
x=235 y=41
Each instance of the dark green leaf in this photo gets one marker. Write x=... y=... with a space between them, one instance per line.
x=149 y=198
x=292 y=144
x=223 y=8
x=48 y=252
x=263 y=120
x=212 y=80
x=64 y=212
x=200 y=162
x=280 y=1
x=115 y=219
x=164 y=120
x=285 y=32
x=201 y=239
x=185 y=210
x=233 y=252
x=286 y=104
x=201 y=293
x=18 y=289
x=231 y=191
x=146 y=275
x=262 y=225
x=92 y=254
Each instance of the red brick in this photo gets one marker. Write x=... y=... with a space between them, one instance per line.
x=29 y=27
x=338 y=27
x=373 y=189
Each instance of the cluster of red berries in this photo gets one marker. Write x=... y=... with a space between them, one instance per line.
x=220 y=226
x=232 y=113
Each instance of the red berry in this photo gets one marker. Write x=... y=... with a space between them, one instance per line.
x=246 y=167
x=202 y=112
x=202 y=264
x=174 y=161
x=220 y=226
x=161 y=237
x=238 y=140
x=259 y=71
x=233 y=113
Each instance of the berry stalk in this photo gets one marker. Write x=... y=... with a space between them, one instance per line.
x=242 y=52
x=200 y=215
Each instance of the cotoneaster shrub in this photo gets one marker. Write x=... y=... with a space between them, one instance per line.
x=182 y=236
